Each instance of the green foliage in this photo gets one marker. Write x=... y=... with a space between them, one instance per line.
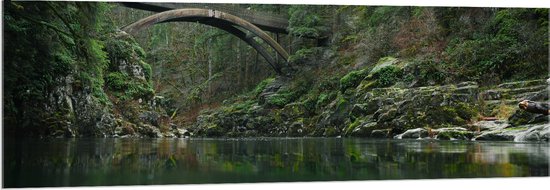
x=352 y=38
x=125 y=48
x=352 y=126
x=427 y=72
x=147 y=70
x=304 y=21
x=117 y=81
x=301 y=55
x=387 y=76
x=297 y=88
x=511 y=45
x=380 y=14
x=261 y=86
x=352 y=79
x=127 y=88
x=138 y=50
x=466 y=111
x=311 y=102
x=139 y=90
x=280 y=99
x=246 y=105
x=50 y=43
x=326 y=100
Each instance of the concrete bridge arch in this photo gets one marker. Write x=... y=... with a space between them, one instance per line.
x=224 y=21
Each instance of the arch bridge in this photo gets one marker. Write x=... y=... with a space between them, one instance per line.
x=235 y=25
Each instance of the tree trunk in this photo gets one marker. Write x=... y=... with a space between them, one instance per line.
x=535 y=107
x=209 y=70
x=240 y=64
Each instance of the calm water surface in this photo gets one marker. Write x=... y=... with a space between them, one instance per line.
x=92 y=162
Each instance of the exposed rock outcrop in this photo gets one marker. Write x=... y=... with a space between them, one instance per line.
x=361 y=106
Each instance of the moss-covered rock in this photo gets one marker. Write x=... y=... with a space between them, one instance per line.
x=262 y=85
x=454 y=134
x=521 y=117
x=352 y=79
x=364 y=130
x=413 y=134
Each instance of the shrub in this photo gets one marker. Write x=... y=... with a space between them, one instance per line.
x=301 y=55
x=387 y=76
x=262 y=85
x=147 y=70
x=117 y=81
x=280 y=99
x=352 y=79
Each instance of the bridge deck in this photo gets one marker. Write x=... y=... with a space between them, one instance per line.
x=265 y=21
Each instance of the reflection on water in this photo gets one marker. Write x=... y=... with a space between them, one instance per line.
x=87 y=162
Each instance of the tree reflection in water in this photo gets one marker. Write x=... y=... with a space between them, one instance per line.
x=79 y=162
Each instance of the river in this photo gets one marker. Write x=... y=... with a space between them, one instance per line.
x=107 y=161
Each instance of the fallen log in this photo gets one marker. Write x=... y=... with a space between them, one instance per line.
x=535 y=107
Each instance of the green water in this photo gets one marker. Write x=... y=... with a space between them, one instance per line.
x=94 y=162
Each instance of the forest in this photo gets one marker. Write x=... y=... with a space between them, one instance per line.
x=153 y=93
x=362 y=71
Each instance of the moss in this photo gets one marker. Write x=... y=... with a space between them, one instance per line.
x=293 y=110
x=387 y=76
x=350 y=38
x=137 y=49
x=504 y=111
x=342 y=102
x=516 y=128
x=96 y=86
x=366 y=85
x=462 y=135
x=139 y=89
x=147 y=70
x=213 y=130
x=521 y=117
x=244 y=105
x=310 y=104
x=441 y=115
x=117 y=81
x=301 y=55
x=329 y=84
x=262 y=85
x=467 y=111
x=352 y=79
x=292 y=93
x=277 y=116
x=352 y=126
x=323 y=99
x=280 y=100
x=239 y=106
x=126 y=88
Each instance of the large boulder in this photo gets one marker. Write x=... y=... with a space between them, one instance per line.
x=453 y=133
x=149 y=131
x=364 y=130
x=495 y=136
x=537 y=132
x=417 y=133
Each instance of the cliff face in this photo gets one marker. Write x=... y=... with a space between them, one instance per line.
x=71 y=109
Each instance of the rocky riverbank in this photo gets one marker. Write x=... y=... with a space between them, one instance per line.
x=116 y=101
x=359 y=105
